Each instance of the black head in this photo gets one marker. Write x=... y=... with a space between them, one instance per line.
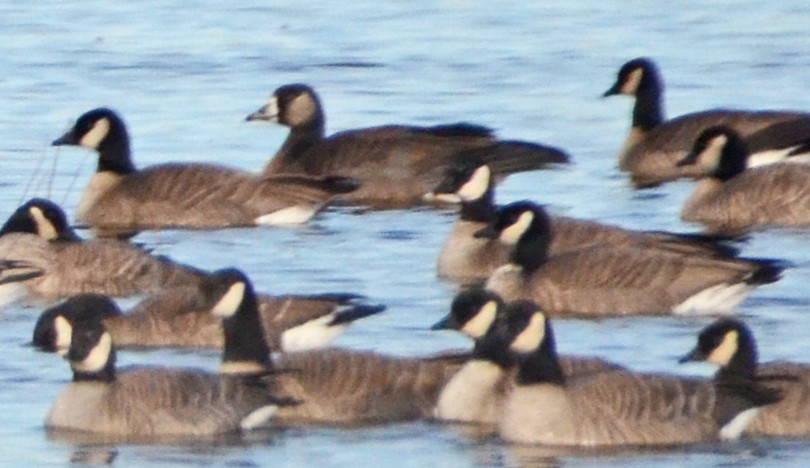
x=41 y=217
x=93 y=128
x=465 y=180
x=720 y=151
x=635 y=77
x=91 y=352
x=514 y=220
x=294 y=105
x=80 y=308
x=728 y=343
x=472 y=312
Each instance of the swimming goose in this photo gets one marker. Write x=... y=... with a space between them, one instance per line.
x=120 y=197
x=731 y=198
x=396 y=164
x=466 y=258
x=477 y=392
x=730 y=344
x=38 y=233
x=655 y=144
x=180 y=317
x=333 y=386
x=141 y=403
x=615 y=280
x=613 y=408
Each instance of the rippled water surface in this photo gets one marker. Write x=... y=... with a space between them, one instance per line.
x=185 y=76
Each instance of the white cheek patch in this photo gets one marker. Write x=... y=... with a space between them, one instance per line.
x=530 y=338
x=98 y=356
x=630 y=85
x=513 y=233
x=96 y=134
x=301 y=109
x=709 y=158
x=477 y=326
x=722 y=354
x=64 y=335
x=45 y=228
x=229 y=304
x=476 y=187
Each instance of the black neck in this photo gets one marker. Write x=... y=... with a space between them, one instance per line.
x=734 y=159
x=542 y=366
x=302 y=138
x=648 y=111
x=490 y=348
x=244 y=334
x=481 y=210
x=114 y=153
x=531 y=251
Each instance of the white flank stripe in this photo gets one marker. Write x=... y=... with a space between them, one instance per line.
x=315 y=334
x=736 y=426
x=297 y=214
x=258 y=418
x=718 y=299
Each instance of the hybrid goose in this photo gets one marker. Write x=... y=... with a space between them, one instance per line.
x=656 y=144
x=120 y=197
x=730 y=344
x=466 y=258
x=396 y=164
x=731 y=199
x=614 y=408
x=144 y=403
x=334 y=387
x=615 y=280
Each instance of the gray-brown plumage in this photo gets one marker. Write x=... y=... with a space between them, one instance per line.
x=731 y=344
x=331 y=387
x=120 y=197
x=180 y=317
x=145 y=403
x=615 y=280
x=478 y=391
x=396 y=164
x=656 y=144
x=731 y=198
x=618 y=407
x=466 y=258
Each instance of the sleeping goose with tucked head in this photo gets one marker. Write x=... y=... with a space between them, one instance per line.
x=335 y=386
x=605 y=279
x=613 y=408
x=730 y=344
x=731 y=198
x=185 y=195
x=148 y=403
x=655 y=144
x=466 y=258
x=396 y=164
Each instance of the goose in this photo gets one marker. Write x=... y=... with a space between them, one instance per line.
x=334 y=387
x=730 y=344
x=465 y=258
x=180 y=317
x=613 y=408
x=730 y=198
x=143 y=403
x=396 y=164
x=615 y=280
x=655 y=144
x=120 y=197
x=38 y=233
x=477 y=392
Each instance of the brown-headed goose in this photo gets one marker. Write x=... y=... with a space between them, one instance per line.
x=396 y=164
x=604 y=279
x=120 y=197
x=656 y=144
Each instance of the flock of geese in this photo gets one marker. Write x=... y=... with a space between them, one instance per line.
x=518 y=267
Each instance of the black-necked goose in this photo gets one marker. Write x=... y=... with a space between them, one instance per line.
x=396 y=164
x=120 y=197
x=614 y=408
x=730 y=344
x=731 y=198
x=615 y=280
x=656 y=144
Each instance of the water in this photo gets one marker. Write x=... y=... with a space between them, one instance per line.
x=185 y=78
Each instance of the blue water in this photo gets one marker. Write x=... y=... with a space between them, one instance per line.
x=184 y=77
